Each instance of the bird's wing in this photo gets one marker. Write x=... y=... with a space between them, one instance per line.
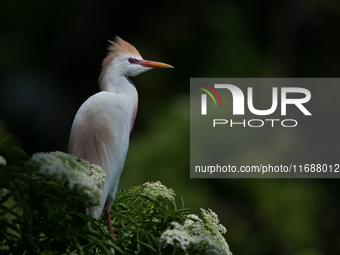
x=100 y=135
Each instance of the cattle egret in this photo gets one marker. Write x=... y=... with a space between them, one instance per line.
x=102 y=126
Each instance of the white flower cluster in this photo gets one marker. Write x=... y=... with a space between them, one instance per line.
x=2 y=161
x=179 y=237
x=79 y=175
x=200 y=235
x=214 y=228
x=154 y=189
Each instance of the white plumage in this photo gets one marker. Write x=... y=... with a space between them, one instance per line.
x=101 y=128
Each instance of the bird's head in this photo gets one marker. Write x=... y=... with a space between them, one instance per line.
x=124 y=59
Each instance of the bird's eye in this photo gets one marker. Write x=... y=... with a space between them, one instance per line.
x=133 y=61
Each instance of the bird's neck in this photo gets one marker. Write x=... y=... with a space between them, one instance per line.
x=117 y=84
x=122 y=86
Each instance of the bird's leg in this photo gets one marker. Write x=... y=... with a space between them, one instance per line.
x=107 y=210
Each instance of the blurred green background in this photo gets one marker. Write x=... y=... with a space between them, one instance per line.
x=50 y=60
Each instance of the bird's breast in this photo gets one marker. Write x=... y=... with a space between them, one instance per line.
x=100 y=131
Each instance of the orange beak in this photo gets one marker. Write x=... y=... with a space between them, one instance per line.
x=153 y=64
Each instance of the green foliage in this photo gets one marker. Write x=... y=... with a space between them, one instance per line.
x=137 y=227
x=46 y=217
x=42 y=214
x=10 y=150
x=6 y=143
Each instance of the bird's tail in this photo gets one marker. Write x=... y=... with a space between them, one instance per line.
x=94 y=211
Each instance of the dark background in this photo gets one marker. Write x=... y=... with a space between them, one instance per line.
x=50 y=60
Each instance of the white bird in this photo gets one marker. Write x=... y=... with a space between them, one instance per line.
x=101 y=128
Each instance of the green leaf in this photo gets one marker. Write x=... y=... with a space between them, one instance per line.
x=182 y=201
x=8 y=223
x=152 y=199
x=6 y=144
x=147 y=246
